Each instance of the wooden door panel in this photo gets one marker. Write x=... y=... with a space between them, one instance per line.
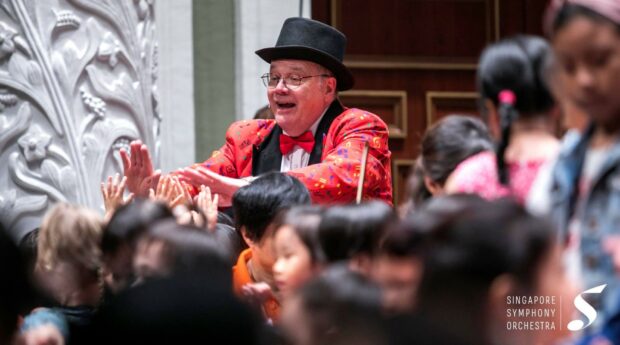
x=414 y=61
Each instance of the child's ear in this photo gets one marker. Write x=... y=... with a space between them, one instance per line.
x=244 y=234
x=433 y=187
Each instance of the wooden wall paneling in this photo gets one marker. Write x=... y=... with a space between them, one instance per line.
x=401 y=168
x=392 y=105
x=416 y=83
x=440 y=104
x=414 y=34
x=425 y=49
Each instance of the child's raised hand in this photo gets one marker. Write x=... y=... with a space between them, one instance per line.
x=208 y=206
x=171 y=191
x=113 y=193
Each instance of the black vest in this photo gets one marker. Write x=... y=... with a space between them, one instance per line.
x=267 y=156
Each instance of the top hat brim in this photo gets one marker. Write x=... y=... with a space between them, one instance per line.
x=342 y=74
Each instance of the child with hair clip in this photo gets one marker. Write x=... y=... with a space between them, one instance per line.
x=519 y=109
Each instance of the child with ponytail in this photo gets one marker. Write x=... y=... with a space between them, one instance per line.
x=518 y=107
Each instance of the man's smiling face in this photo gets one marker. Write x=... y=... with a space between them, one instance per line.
x=297 y=108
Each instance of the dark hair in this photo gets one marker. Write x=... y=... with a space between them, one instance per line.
x=569 y=12
x=225 y=219
x=229 y=240
x=349 y=230
x=401 y=242
x=256 y=205
x=192 y=251
x=175 y=310
x=14 y=288
x=341 y=306
x=469 y=244
x=131 y=220
x=28 y=249
x=304 y=220
x=517 y=65
x=449 y=142
x=416 y=192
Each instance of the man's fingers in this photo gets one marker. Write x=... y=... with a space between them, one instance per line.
x=194 y=176
x=126 y=161
x=155 y=176
x=129 y=198
x=206 y=172
x=135 y=148
x=147 y=163
x=140 y=157
x=151 y=193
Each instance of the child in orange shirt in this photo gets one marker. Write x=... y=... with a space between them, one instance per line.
x=255 y=207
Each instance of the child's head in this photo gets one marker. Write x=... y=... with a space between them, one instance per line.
x=517 y=64
x=585 y=36
x=339 y=306
x=514 y=66
x=256 y=206
x=69 y=256
x=398 y=268
x=176 y=310
x=449 y=142
x=489 y=251
x=298 y=254
x=120 y=236
x=352 y=232
x=168 y=249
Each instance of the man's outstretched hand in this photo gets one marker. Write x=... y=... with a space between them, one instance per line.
x=138 y=168
x=224 y=186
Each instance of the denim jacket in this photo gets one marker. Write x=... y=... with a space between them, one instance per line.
x=599 y=217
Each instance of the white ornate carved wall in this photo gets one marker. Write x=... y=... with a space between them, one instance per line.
x=77 y=82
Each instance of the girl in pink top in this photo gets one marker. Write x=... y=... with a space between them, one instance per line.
x=518 y=106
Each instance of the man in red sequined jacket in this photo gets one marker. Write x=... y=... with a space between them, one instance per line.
x=313 y=137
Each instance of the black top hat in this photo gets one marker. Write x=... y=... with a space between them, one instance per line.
x=306 y=39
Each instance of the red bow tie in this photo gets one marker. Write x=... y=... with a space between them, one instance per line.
x=305 y=141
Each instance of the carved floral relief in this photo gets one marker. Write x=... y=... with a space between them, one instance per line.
x=77 y=83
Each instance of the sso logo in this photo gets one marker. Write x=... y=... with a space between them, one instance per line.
x=585 y=308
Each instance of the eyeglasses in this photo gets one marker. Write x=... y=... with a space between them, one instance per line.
x=292 y=82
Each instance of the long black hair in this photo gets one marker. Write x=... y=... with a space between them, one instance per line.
x=515 y=68
x=449 y=142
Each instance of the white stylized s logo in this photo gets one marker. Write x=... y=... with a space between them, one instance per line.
x=585 y=308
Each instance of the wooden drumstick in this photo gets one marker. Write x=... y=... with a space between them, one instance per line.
x=360 y=184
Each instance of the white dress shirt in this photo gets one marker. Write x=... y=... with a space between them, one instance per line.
x=298 y=157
